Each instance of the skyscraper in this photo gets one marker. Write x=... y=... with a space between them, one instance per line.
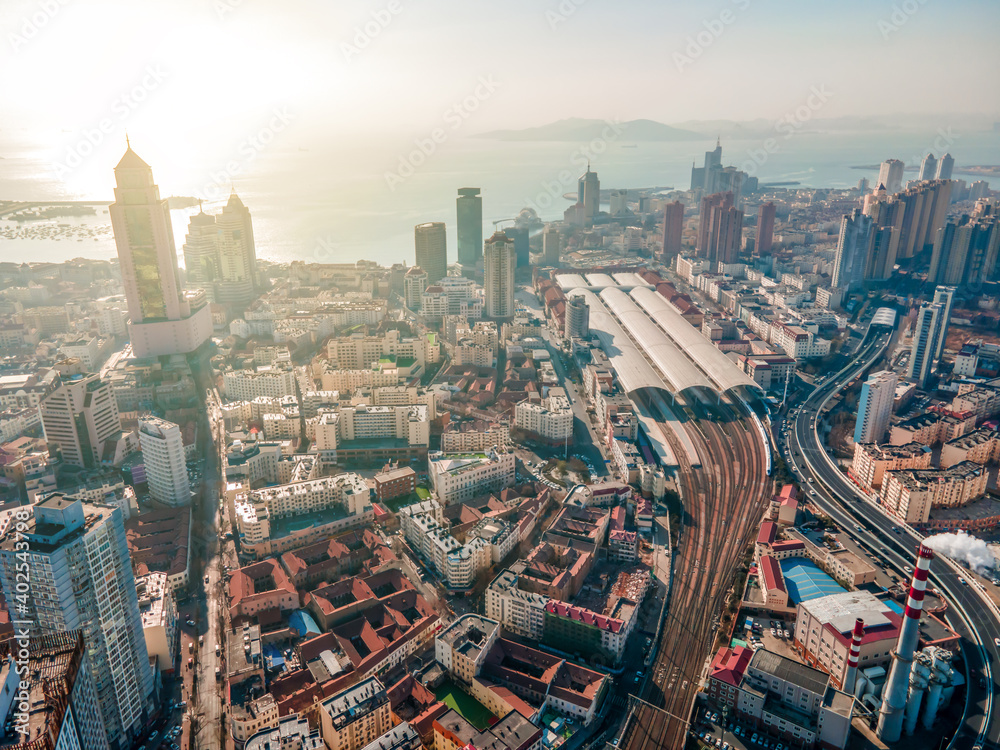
x=673 y=229
x=701 y=177
x=201 y=252
x=589 y=195
x=944 y=296
x=237 y=282
x=522 y=245
x=551 y=246
x=500 y=260
x=928 y=168
x=79 y=417
x=875 y=407
x=891 y=175
x=853 y=247
x=163 y=456
x=720 y=228
x=887 y=219
x=924 y=213
x=945 y=166
x=163 y=320
x=431 y=243
x=469 y=208
x=577 y=317
x=926 y=331
x=765 y=229
x=80 y=578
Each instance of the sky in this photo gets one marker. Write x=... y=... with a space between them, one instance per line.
x=206 y=75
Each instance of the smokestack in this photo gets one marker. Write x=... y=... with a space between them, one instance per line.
x=850 y=677
x=890 y=718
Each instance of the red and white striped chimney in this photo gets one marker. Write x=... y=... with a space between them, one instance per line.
x=851 y=676
x=890 y=719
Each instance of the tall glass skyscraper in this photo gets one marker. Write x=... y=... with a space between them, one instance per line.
x=470 y=230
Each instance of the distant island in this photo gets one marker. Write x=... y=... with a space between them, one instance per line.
x=578 y=129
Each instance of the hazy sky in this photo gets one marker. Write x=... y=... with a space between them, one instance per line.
x=66 y=63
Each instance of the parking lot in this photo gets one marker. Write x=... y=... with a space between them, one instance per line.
x=711 y=729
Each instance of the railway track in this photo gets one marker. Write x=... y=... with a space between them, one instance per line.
x=723 y=502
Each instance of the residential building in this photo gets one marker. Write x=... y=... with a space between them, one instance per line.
x=458 y=477
x=673 y=230
x=550 y=420
x=414 y=286
x=79 y=418
x=910 y=494
x=395 y=482
x=163 y=456
x=875 y=407
x=80 y=578
x=469 y=213
x=764 y=241
x=720 y=228
x=577 y=318
x=871 y=461
x=158 y=610
x=926 y=337
x=430 y=241
x=354 y=718
x=500 y=261
x=462 y=647
x=891 y=175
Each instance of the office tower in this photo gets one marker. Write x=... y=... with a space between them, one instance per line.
x=928 y=168
x=875 y=407
x=163 y=456
x=414 y=285
x=619 y=203
x=925 y=337
x=431 y=245
x=79 y=417
x=162 y=319
x=720 y=228
x=469 y=207
x=577 y=317
x=201 y=252
x=863 y=185
x=673 y=230
x=853 y=247
x=80 y=578
x=551 y=246
x=589 y=195
x=891 y=175
x=944 y=296
x=765 y=229
x=924 y=213
x=499 y=261
x=237 y=282
x=944 y=168
x=522 y=245
x=727 y=180
x=54 y=670
x=701 y=176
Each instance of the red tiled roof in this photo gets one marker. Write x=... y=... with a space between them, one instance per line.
x=729 y=664
x=768 y=531
x=773 y=578
x=586 y=616
x=872 y=635
x=786 y=546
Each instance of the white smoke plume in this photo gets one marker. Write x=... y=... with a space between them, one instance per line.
x=961 y=546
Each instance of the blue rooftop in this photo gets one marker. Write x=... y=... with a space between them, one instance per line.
x=304 y=623
x=804 y=580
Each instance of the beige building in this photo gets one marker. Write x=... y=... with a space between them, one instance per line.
x=356 y=717
x=159 y=618
x=464 y=645
x=871 y=461
x=911 y=494
x=981 y=446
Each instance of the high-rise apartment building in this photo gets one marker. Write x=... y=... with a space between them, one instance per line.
x=875 y=407
x=163 y=320
x=890 y=175
x=238 y=281
x=944 y=296
x=522 y=245
x=928 y=168
x=577 y=317
x=589 y=195
x=926 y=331
x=414 y=285
x=551 y=246
x=163 y=456
x=499 y=260
x=853 y=247
x=79 y=417
x=673 y=229
x=765 y=229
x=431 y=244
x=80 y=578
x=924 y=213
x=966 y=251
x=720 y=228
x=945 y=166
x=469 y=208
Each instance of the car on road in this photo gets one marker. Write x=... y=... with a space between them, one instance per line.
x=963 y=582
x=754 y=738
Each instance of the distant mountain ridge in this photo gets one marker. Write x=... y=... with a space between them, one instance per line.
x=582 y=129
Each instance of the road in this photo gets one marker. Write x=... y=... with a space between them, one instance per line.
x=724 y=498
x=973 y=618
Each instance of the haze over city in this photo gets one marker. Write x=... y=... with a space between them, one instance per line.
x=538 y=375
